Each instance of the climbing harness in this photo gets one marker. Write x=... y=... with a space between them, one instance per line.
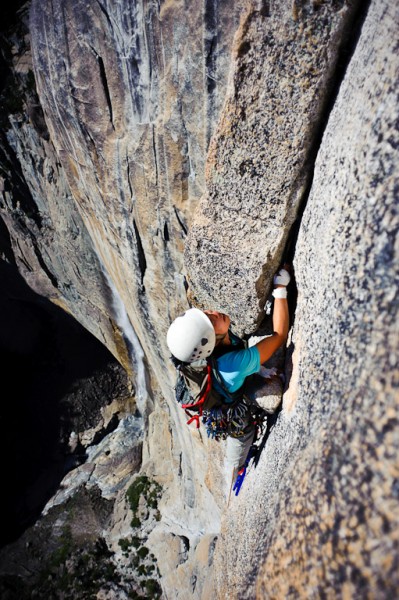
x=199 y=398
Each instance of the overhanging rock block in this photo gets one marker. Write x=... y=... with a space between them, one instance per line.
x=260 y=160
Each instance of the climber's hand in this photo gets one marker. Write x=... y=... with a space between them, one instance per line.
x=282 y=277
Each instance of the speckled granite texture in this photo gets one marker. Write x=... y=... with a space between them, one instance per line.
x=319 y=517
x=260 y=160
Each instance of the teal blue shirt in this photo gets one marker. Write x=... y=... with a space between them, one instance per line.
x=235 y=366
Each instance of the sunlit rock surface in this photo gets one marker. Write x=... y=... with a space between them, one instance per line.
x=103 y=167
x=131 y=93
x=284 y=68
x=319 y=516
x=46 y=236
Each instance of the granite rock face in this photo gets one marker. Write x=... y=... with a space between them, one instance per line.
x=44 y=235
x=259 y=164
x=130 y=102
x=130 y=94
x=319 y=516
x=111 y=107
x=103 y=167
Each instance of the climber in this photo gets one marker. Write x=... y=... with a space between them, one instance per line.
x=199 y=335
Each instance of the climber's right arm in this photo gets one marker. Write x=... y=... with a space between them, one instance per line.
x=268 y=346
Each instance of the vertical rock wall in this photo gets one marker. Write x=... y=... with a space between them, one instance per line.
x=319 y=516
x=102 y=167
x=284 y=70
x=130 y=93
x=111 y=172
x=43 y=233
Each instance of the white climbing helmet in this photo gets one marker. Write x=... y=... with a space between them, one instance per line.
x=191 y=336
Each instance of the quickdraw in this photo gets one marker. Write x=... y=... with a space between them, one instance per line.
x=220 y=423
x=215 y=424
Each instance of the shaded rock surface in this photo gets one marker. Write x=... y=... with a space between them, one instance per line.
x=58 y=378
x=64 y=555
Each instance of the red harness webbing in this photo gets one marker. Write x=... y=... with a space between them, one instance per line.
x=200 y=402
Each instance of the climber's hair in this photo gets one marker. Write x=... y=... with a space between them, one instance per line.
x=178 y=363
